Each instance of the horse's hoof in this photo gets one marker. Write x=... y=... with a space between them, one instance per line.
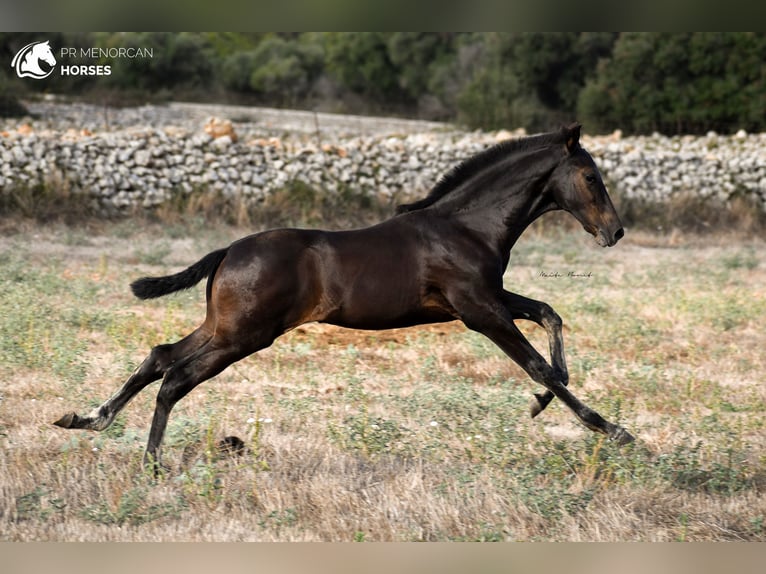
x=536 y=405
x=67 y=421
x=621 y=437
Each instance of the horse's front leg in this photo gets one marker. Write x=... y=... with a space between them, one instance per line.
x=492 y=318
x=541 y=313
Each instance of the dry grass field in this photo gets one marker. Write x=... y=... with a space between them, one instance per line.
x=410 y=435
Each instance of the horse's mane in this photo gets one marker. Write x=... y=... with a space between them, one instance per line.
x=466 y=169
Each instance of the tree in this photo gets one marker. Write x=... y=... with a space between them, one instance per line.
x=361 y=63
x=280 y=71
x=286 y=70
x=679 y=83
x=532 y=79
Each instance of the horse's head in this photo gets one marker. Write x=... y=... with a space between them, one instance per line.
x=577 y=187
x=42 y=51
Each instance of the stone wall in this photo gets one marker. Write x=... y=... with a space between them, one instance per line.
x=143 y=156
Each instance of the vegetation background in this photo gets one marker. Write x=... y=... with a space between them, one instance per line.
x=638 y=82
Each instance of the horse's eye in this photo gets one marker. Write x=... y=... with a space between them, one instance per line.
x=590 y=178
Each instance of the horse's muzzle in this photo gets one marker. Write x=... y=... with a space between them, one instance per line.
x=606 y=239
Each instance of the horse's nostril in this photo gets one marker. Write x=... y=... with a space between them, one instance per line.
x=619 y=234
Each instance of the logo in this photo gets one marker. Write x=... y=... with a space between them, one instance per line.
x=27 y=61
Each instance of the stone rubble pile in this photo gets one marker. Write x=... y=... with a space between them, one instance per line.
x=142 y=157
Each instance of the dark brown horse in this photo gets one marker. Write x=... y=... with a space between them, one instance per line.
x=439 y=259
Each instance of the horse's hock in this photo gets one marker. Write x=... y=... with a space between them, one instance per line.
x=120 y=163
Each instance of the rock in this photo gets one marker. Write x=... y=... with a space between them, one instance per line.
x=222 y=142
x=142 y=157
x=218 y=128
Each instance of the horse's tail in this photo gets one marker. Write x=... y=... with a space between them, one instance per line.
x=151 y=287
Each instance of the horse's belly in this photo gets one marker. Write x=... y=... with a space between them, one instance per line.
x=386 y=306
x=379 y=323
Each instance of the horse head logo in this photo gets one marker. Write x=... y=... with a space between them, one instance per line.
x=27 y=61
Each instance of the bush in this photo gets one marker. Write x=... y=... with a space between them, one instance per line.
x=361 y=63
x=488 y=101
x=278 y=71
x=425 y=63
x=180 y=61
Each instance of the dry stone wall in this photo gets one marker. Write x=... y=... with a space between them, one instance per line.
x=143 y=156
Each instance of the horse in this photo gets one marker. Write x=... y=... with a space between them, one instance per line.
x=439 y=259
x=27 y=60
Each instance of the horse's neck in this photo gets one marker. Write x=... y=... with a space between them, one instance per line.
x=501 y=202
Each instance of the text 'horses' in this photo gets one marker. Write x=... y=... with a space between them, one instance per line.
x=439 y=259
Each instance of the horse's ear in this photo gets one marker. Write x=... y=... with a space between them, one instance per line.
x=572 y=136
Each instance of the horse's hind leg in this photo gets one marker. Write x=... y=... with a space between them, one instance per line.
x=542 y=314
x=183 y=377
x=152 y=369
